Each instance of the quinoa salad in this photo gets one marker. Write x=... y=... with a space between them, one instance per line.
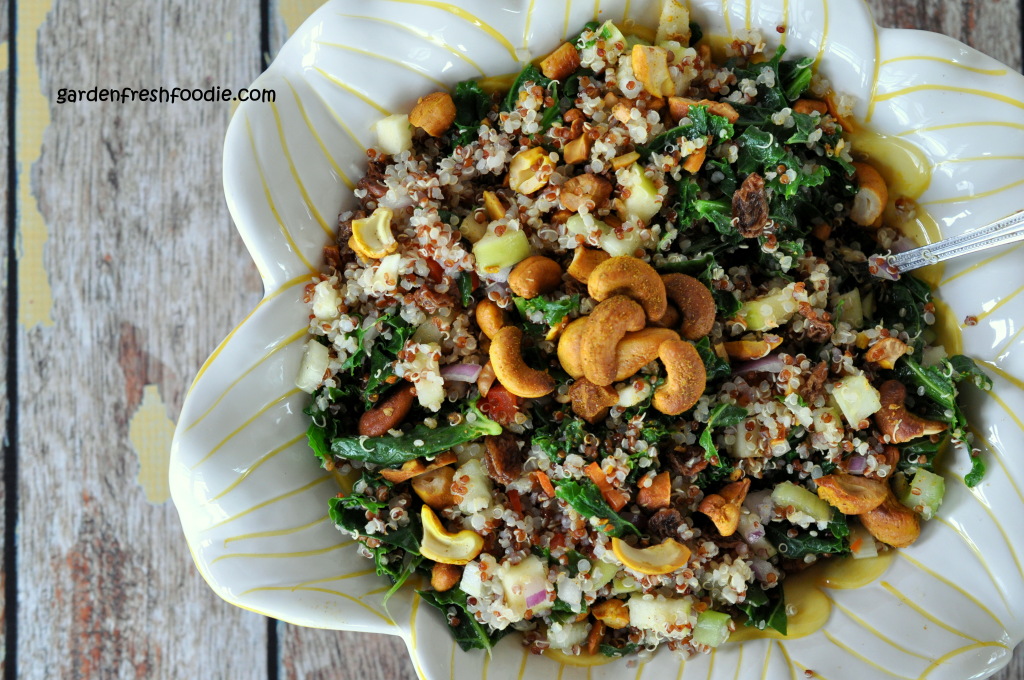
x=602 y=357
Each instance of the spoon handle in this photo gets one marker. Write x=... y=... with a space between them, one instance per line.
x=1005 y=231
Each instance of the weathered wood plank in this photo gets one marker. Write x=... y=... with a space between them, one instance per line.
x=147 y=274
x=992 y=26
x=5 y=197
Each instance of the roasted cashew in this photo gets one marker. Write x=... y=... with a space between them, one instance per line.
x=415 y=467
x=569 y=347
x=586 y=189
x=892 y=522
x=584 y=261
x=389 y=413
x=724 y=507
x=886 y=351
x=632 y=277
x=444 y=577
x=561 y=63
x=489 y=317
x=512 y=371
x=852 y=494
x=435 y=487
x=747 y=350
x=638 y=349
x=592 y=402
x=613 y=613
x=694 y=302
x=897 y=423
x=871 y=198
x=685 y=381
x=434 y=113
x=606 y=325
x=671 y=318
x=535 y=276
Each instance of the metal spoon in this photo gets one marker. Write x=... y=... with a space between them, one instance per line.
x=1005 y=231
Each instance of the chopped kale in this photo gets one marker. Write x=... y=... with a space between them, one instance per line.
x=467 y=631
x=585 y=498
x=765 y=609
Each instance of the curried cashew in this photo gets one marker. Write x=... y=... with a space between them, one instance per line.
x=444 y=577
x=892 y=522
x=535 y=276
x=434 y=113
x=578 y=150
x=632 y=277
x=685 y=380
x=584 y=261
x=897 y=423
x=510 y=369
x=613 y=613
x=869 y=203
x=592 y=402
x=671 y=318
x=852 y=494
x=809 y=106
x=586 y=189
x=724 y=507
x=679 y=107
x=435 y=487
x=489 y=317
x=886 y=351
x=638 y=349
x=747 y=350
x=606 y=325
x=530 y=169
x=493 y=205
x=389 y=413
x=414 y=468
x=650 y=65
x=561 y=63
x=694 y=302
x=569 y=347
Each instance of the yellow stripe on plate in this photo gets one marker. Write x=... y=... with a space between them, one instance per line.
x=950 y=88
x=373 y=55
x=983 y=263
x=277 y=532
x=284 y=397
x=252 y=468
x=468 y=17
x=320 y=142
x=306 y=200
x=874 y=631
x=923 y=612
x=939 y=577
x=950 y=62
x=419 y=34
x=946 y=657
x=277 y=348
x=281 y=556
x=353 y=91
x=271 y=501
x=302 y=278
x=971 y=197
x=857 y=655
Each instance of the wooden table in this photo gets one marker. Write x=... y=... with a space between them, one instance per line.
x=122 y=273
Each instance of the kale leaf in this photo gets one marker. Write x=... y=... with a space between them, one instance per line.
x=764 y=610
x=471 y=106
x=723 y=415
x=615 y=652
x=530 y=74
x=383 y=356
x=585 y=498
x=702 y=124
x=715 y=366
x=467 y=631
x=419 y=441
x=835 y=541
x=553 y=311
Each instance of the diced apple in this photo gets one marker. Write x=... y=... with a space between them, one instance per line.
x=314 y=365
x=643 y=202
x=478 y=487
x=650 y=64
x=857 y=398
x=849 y=308
x=601 y=574
x=326 y=301
x=658 y=613
x=522 y=580
x=745 y=445
x=674 y=23
x=394 y=134
x=924 y=493
x=471 y=229
x=772 y=310
x=565 y=636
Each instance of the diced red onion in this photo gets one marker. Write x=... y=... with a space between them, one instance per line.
x=754 y=535
x=761 y=504
x=761 y=569
x=856 y=464
x=536 y=598
x=461 y=372
x=772 y=363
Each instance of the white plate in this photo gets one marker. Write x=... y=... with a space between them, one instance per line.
x=253 y=501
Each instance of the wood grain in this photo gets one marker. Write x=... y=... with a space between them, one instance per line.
x=5 y=197
x=147 y=275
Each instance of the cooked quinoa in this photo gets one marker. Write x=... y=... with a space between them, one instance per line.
x=700 y=219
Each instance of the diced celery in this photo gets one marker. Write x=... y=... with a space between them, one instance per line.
x=601 y=573
x=849 y=308
x=712 y=628
x=788 y=493
x=857 y=398
x=924 y=493
x=494 y=252
x=772 y=310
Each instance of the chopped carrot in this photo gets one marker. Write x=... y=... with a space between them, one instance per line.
x=557 y=541
x=657 y=495
x=545 y=483
x=695 y=160
x=594 y=637
x=513 y=500
x=615 y=497
x=857 y=543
